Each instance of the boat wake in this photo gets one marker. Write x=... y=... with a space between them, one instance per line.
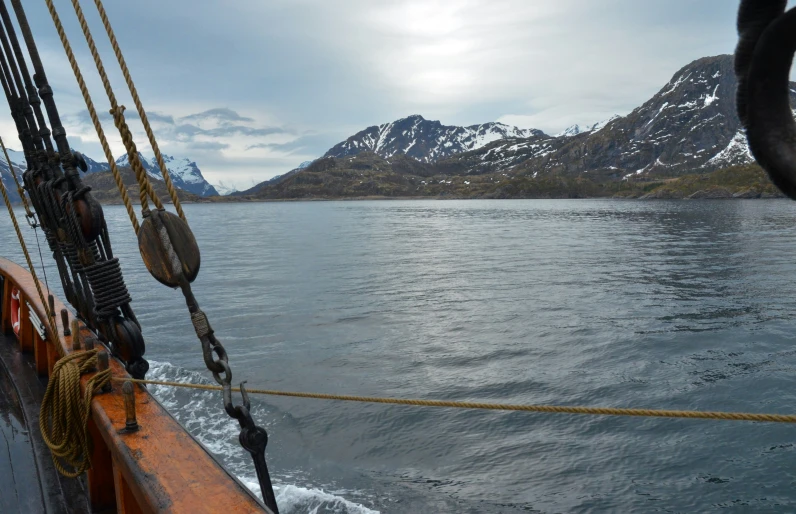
x=202 y=414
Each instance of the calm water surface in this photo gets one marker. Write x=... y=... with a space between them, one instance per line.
x=680 y=305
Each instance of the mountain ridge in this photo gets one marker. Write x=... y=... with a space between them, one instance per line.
x=688 y=126
x=185 y=173
x=424 y=140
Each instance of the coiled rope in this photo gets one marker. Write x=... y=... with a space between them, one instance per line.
x=552 y=409
x=63 y=419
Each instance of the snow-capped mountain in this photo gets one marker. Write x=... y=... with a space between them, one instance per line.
x=425 y=140
x=573 y=130
x=20 y=165
x=689 y=125
x=576 y=129
x=225 y=190
x=185 y=174
x=5 y=174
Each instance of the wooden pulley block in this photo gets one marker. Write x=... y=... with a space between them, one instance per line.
x=168 y=248
x=90 y=215
x=128 y=343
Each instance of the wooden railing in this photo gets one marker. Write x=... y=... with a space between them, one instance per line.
x=159 y=468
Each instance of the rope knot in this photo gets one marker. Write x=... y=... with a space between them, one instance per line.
x=117 y=113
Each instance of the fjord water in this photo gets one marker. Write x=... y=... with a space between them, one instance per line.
x=677 y=305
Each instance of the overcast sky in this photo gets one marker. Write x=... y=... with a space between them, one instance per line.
x=250 y=88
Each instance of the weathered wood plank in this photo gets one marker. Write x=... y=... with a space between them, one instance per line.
x=101 y=488
x=40 y=356
x=25 y=328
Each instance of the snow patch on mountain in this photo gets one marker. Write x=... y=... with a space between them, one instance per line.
x=184 y=173
x=602 y=124
x=736 y=152
x=573 y=130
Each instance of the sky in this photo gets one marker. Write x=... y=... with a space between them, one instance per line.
x=250 y=89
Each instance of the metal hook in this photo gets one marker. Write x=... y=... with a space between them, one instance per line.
x=245 y=395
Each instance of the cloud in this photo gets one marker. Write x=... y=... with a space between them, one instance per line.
x=227 y=146
x=221 y=114
x=252 y=88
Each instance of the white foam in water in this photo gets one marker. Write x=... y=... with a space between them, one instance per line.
x=292 y=498
x=201 y=413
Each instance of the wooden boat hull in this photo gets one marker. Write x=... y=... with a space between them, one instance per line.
x=159 y=468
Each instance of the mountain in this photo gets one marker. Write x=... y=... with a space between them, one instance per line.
x=573 y=130
x=104 y=189
x=5 y=174
x=185 y=174
x=425 y=140
x=224 y=190
x=689 y=126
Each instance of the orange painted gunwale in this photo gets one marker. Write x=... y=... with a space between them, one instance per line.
x=163 y=467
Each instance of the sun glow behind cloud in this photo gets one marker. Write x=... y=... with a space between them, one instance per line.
x=294 y=77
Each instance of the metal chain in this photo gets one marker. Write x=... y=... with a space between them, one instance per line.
x=252 y=437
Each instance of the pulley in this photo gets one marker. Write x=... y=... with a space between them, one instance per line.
x=168 y=248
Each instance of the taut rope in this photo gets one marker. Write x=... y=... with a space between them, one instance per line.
x=45 y=304
x=138 y=105
x=551 y=409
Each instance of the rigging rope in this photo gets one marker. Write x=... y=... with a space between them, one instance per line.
x=145 y=187
x=552 y=409
x=134 y=93
x=20 y=191
x=168 y=246
x=45 y=304
x=63 y=419
x=95 y=119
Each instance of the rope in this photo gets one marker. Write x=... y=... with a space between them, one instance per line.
x=144 y=185
x=138 y=105
x=20 y=191
x=45 y=304
x=93 y=113
x=63 y=419
x=553 y=409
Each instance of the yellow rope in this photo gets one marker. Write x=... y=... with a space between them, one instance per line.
x=63 y=419
x=558 y=409
x=20 y=191
x=45 y=304
x=117 y=111
x=138 y=105
x=93 y=113
x=145 y=186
